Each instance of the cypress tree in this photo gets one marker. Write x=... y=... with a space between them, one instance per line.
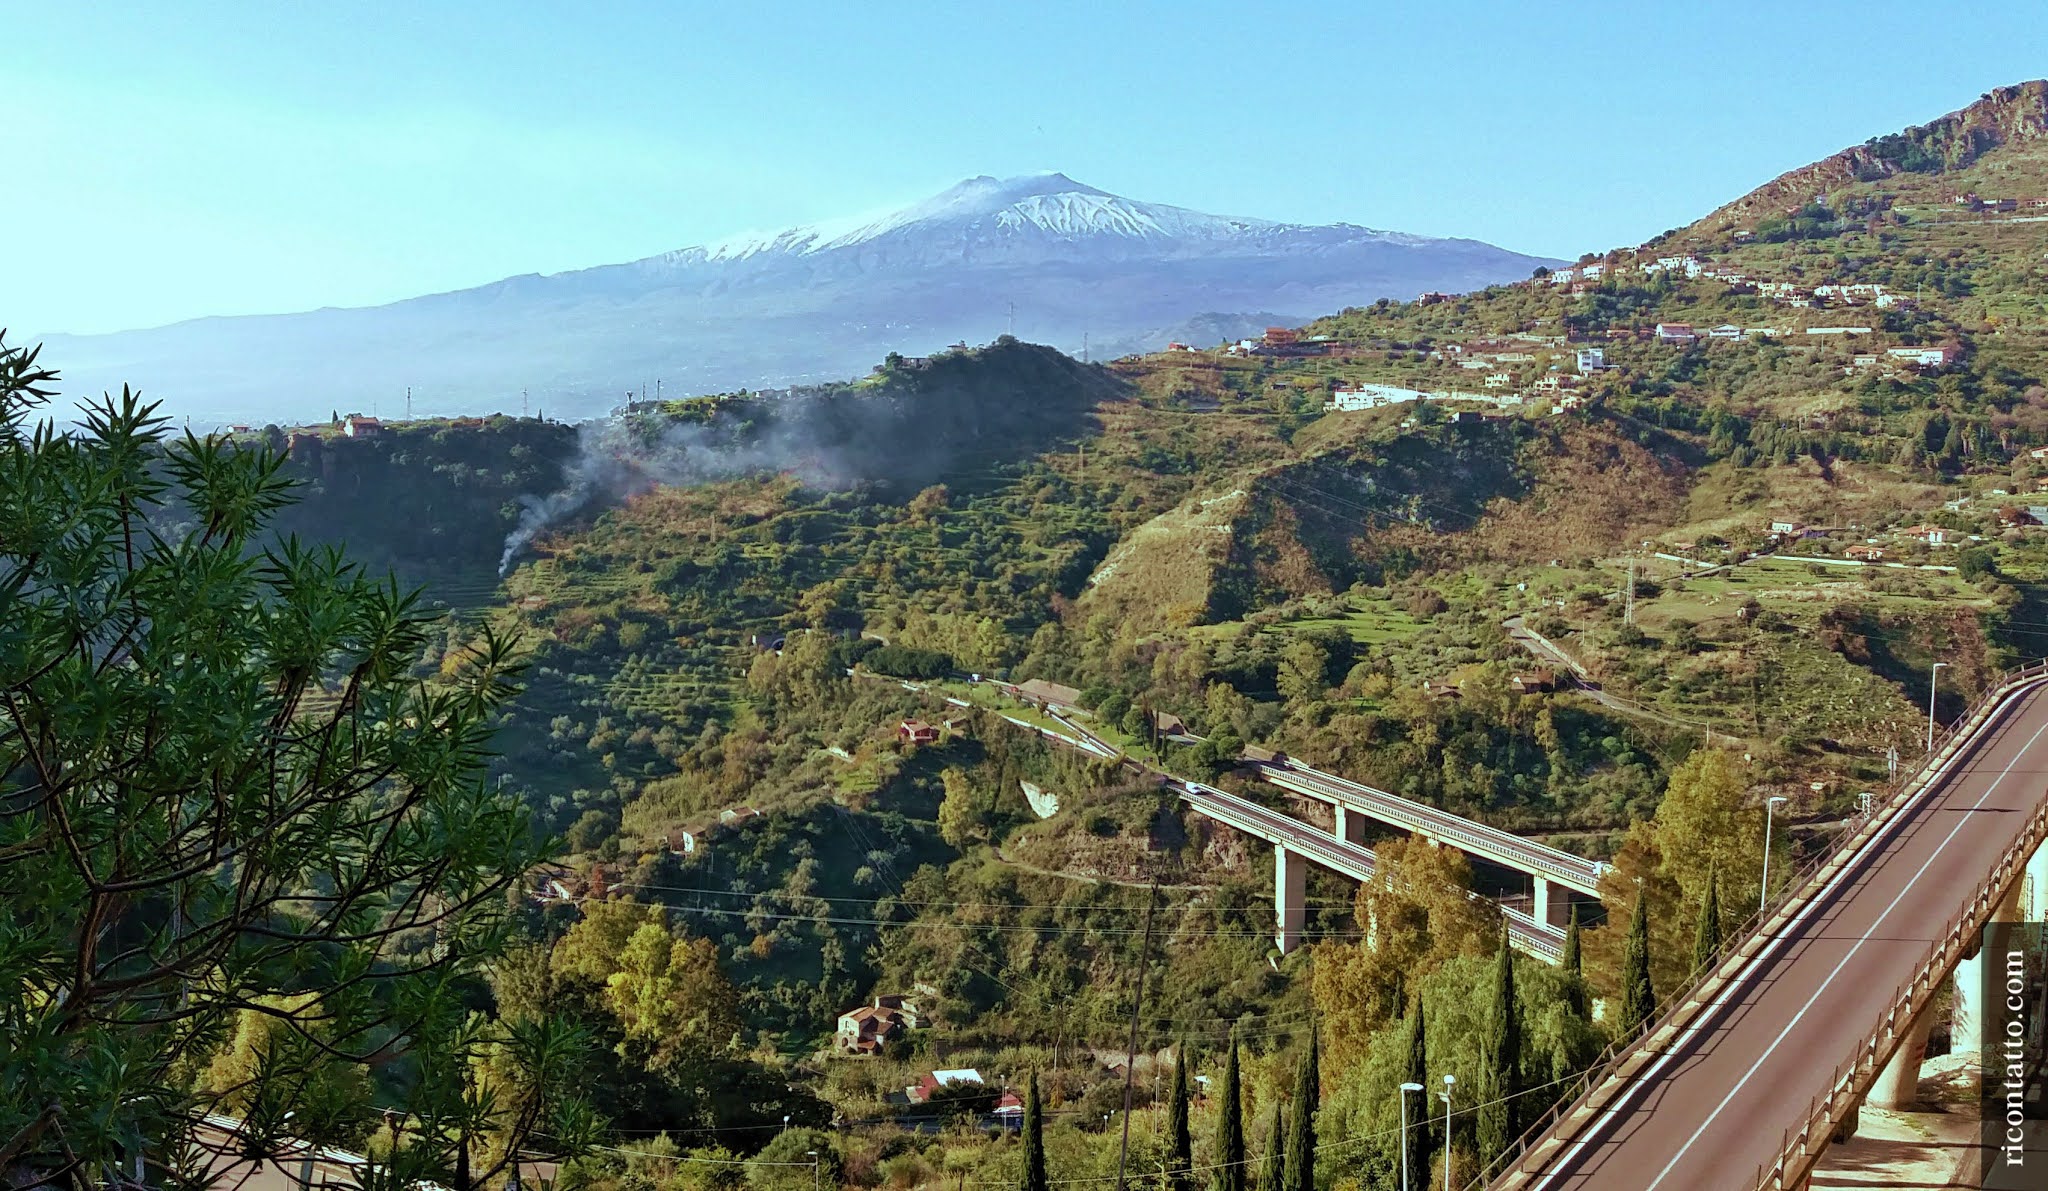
x=1418 y=1072
x=1273 y=1157
x=1638 y=998
x=1574 y=969
x=1180 y=1146
x=1707 y=939
x=1503 y=1056
x=1230 y=1165
x=1300 y=1171
x=1034 y=1139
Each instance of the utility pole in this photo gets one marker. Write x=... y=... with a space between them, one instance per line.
x=1123 y=1150
x=408 y=403
x=1013 y=318
x=522 y=403
x=1628 y=615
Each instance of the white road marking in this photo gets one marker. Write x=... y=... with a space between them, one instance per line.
x=1710 y=1012
x=1790 y=1025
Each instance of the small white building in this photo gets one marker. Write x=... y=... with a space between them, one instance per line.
x=1371 y=396
x=1591 y=360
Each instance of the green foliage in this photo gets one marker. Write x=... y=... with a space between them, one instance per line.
x=1499 y=1110
x=1639 y=997
x=1417 y=1072
x=903 y=661
x=1572 y=967
x=1034 y=1140
x=1707 y=935
x=798 y=1160
x=1300 y=1172
x=1180 y=1145
x=1232 y=1167
x=1273 y=1155
x=242 y=846
x=432 y=499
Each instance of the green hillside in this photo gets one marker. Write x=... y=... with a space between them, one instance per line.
x=1797 y=473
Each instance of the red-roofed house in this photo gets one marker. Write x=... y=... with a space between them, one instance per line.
x=917 y=732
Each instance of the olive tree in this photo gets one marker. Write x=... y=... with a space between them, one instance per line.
x=247 y=855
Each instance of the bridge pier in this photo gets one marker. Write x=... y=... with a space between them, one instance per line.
x=1554 y=903
x=2035 y=905
x=1898 y=1085
x=1966 y=1029
x=1290 y=896
x=1350 y=825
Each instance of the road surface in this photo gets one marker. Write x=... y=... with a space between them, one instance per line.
x=1715 y=1107
x=1477 y=839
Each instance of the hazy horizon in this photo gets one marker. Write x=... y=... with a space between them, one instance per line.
x=244 y=161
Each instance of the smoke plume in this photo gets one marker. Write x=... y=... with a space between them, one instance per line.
x=1008 y=401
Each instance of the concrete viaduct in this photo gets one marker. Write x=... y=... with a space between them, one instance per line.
x=1558 y=875
x=1296 y=844
x=1751 y=1072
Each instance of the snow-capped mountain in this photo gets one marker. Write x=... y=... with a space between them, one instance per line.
x=1050 y=258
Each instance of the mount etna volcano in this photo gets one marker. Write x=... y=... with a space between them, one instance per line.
x=1044 y=256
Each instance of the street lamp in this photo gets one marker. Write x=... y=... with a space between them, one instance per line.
x=813 y=1156
x=1933 y=677
x=1405 y=1089
x=1763 y=897
x=1449 y=1082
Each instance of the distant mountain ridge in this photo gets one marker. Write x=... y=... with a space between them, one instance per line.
x=2012 y=115
x=1052 y=259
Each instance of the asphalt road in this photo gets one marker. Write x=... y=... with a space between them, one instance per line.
x=1477 y=839
x=1718 y=1106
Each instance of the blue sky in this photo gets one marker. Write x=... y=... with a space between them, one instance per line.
x=170 y=161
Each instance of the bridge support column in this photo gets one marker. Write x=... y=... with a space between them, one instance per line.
x=1290 y=896
x=1350 y=826
x=1898 y=1085
x=1966 y=1028
x=2035 y=906
x=1554 y=903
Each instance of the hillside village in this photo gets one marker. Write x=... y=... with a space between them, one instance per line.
x=939 y=748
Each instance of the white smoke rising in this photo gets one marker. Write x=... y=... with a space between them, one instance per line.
x=822 y=439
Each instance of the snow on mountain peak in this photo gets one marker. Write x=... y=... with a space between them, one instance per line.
x=1048 y=205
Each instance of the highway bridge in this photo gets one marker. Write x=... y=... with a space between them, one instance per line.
x=1745 y=1078
x=1557 y=874
x=1296 y=844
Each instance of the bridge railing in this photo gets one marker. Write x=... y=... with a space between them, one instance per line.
x=1801 y=1150
x=1453 y=828
x=1741 y=944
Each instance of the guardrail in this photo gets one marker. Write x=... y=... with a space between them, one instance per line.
x=1476 y=836
x=1799 y=1153
x=1608 y=1077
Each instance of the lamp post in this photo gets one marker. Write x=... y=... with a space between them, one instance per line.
x=1449 y=1082
x=813 y=1155
x=1763 y=896
x=1405 y=1089
x=1933 y=678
